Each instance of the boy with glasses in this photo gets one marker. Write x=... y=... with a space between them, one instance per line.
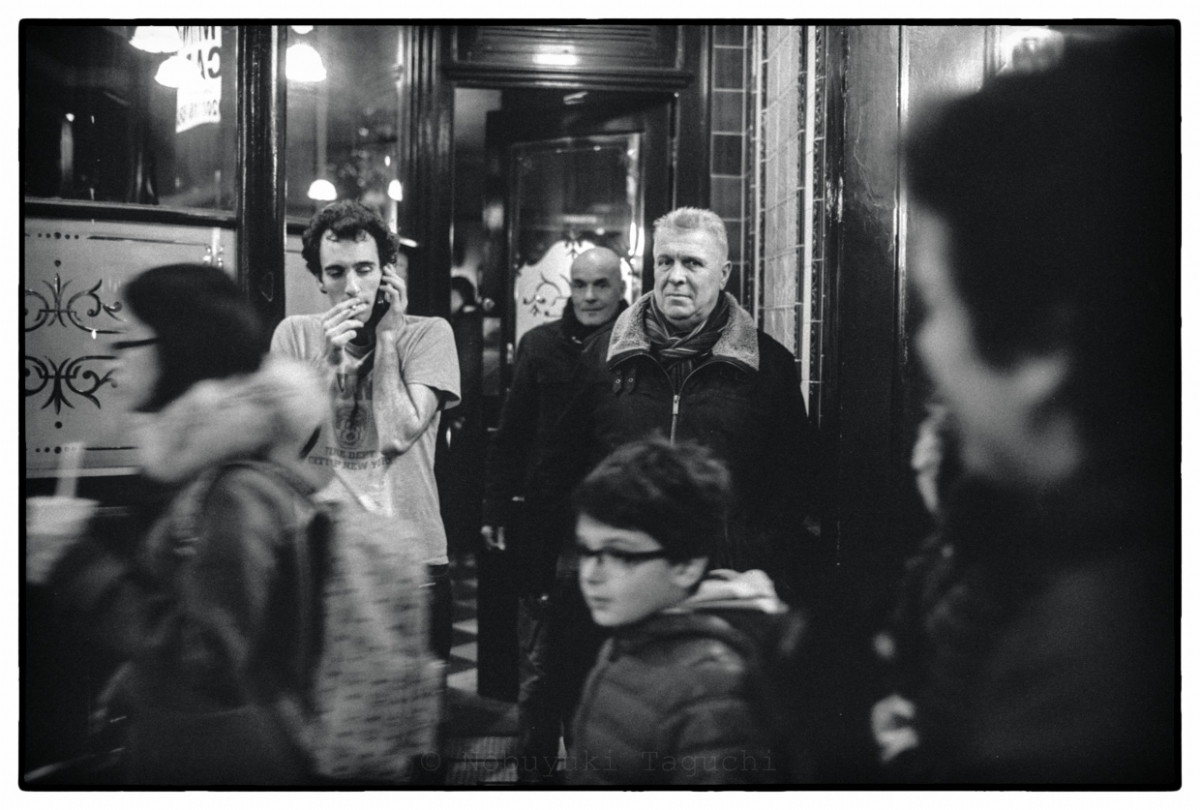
x=667 y=702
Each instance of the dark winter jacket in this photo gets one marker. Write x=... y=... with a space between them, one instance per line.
x=203 y=602
x=742 y=402
x=546 y=362
x=668 y=702
x=1036 y=640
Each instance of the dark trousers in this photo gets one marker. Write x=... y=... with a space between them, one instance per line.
x=559 y=644
x=441 y=610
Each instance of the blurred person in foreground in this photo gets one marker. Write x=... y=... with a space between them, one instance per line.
x=198 y=590
x=1042 y=642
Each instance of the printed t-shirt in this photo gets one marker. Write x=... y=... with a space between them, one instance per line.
x=403 y=488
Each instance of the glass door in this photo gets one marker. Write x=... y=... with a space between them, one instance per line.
x=570 y=195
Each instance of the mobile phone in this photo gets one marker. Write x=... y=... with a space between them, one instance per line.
x=382 y=305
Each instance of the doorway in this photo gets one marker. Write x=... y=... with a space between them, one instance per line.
x=540 y=176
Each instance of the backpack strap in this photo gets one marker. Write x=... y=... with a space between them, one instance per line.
x=304 y=559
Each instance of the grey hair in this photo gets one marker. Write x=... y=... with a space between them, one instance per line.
x=685 y=219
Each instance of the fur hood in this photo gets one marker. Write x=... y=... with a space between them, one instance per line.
x=269 y=414
x=723 y=588
x=738 y=343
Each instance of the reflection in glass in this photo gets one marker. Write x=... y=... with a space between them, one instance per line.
x=95 y=125
x=570 y=195
x=341 y=133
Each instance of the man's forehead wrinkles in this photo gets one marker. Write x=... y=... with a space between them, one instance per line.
x=681 y=254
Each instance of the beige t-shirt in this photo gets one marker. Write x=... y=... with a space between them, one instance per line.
x=405 y=488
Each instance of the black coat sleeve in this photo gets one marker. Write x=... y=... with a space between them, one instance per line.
x=572 y=445
x=509 y=450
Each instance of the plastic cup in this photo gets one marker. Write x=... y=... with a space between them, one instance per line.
x=52 y=524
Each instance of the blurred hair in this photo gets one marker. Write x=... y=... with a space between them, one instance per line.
x=465 y=288
x=685 y=219
x=678 y=494
x=206 y=329
x=347 y=219
x=1061 y=192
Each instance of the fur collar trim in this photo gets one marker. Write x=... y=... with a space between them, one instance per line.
x=738 y=342
x=267 y=415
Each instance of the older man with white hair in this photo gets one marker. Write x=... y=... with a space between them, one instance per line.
x=686 y=361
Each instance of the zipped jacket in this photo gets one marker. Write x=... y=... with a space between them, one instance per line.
x=742 y=401
x=671 y=701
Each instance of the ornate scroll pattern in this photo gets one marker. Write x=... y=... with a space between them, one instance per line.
x=545 y=296
x=67 y=377
x=49 y=312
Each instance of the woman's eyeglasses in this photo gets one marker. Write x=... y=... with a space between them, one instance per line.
x=622 y=559
x=122 y=345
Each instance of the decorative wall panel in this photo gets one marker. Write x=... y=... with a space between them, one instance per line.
x=571 y=47
x=73 y=274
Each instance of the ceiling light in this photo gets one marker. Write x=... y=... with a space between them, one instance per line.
x=322 y=190
x=302 y=29
x=557 y=59
x=156 y=38
x=175 y=72
x=396 y=191
x=304 y=63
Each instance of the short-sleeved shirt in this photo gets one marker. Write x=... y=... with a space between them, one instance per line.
x=403 y=488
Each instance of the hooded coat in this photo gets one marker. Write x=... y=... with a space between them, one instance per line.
x=668 y=701
x=200 y=596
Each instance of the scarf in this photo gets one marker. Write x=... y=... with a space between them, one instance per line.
x=677 y=351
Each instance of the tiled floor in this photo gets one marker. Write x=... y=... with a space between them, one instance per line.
x=480 y=732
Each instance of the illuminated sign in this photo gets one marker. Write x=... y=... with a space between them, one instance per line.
x=199 y=97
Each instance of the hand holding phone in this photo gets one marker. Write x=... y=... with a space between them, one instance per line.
x=382 y=305
x=391 y=301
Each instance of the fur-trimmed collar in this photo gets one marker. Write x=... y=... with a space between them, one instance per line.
x=738 y=342
x=267 y=415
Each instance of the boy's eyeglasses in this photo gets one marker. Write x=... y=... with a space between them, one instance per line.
x=623 y=559
x=122 y=345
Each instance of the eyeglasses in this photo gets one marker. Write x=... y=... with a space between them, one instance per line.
x=122 y=345
x=622 y=559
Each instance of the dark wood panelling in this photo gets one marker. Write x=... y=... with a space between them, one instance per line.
x=634 y=56
x=124 y=212
x=867 y=294
x=690 y=176
x=426 y=106
x=261 y=128
x=936 y=61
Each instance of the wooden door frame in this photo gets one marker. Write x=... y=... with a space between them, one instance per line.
x=426 y=86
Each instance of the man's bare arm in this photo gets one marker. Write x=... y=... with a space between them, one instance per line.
x=403 y=410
